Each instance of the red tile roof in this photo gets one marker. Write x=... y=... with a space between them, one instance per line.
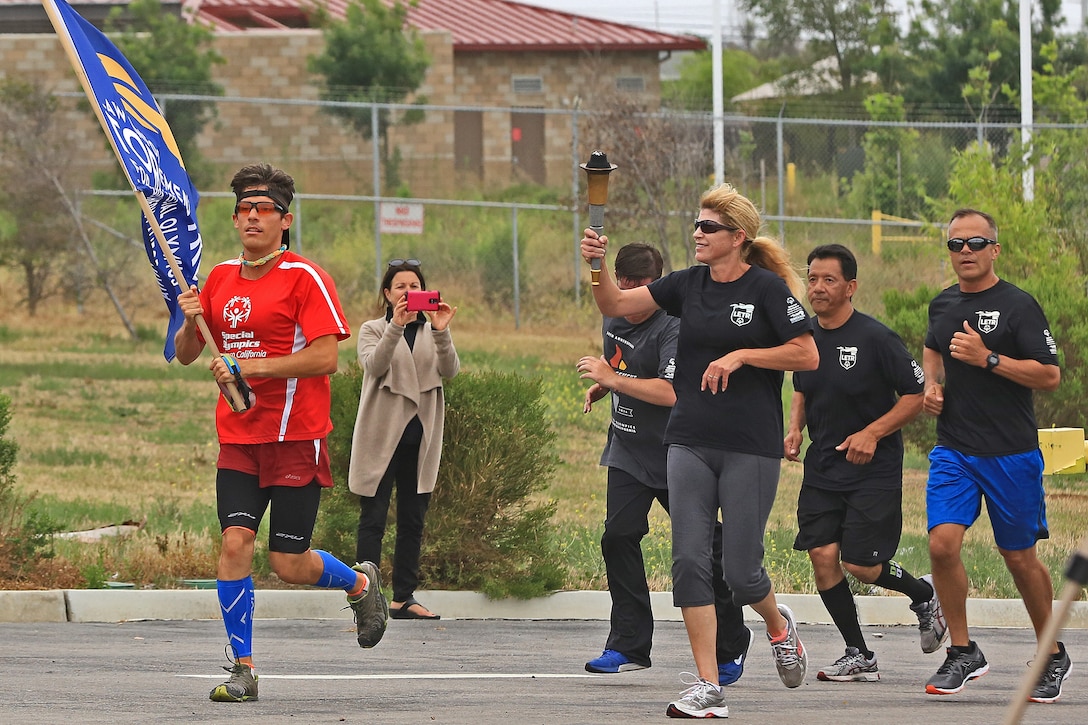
x=476 y=25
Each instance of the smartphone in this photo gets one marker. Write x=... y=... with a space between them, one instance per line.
x=423 y=300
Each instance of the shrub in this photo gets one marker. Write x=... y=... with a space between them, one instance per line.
x=25 y=536
x=486 y=530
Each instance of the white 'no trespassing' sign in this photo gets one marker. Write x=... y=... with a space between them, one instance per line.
x=401 y=218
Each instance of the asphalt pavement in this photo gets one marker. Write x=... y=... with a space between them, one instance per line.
x=462 y=671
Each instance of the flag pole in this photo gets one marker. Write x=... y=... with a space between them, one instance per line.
x=179 y=278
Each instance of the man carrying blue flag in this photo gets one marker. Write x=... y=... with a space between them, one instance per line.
x=276 y=317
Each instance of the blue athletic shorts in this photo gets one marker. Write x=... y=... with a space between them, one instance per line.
x=1012 y=486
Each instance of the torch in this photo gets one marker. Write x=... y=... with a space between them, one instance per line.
x=597 y=170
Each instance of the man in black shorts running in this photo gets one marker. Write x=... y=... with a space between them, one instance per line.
x=849 y=511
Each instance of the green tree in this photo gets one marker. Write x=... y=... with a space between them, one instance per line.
x=890 y=181
x=948 y=38
x=370 y=57
x=1061 y=155
x=844 y=29
x=694 y=90
x=171 y=56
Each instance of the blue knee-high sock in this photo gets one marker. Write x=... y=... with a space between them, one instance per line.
x=236 y=600
x=336 y=574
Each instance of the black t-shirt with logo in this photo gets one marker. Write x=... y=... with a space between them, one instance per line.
x=864 y=369
x=636 y=437
x=985 y=414
x=755 y=311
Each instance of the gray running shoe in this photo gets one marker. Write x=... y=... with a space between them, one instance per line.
x=702 y=699
x=370 y=608
x=957 y=671
x=851 y=667
x=242 y=685
x=1057 y=669
x=789 y=654
x=931 y=625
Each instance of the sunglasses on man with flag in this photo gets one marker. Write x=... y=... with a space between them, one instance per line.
x=149 y=156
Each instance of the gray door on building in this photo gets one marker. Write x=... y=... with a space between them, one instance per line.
x=468 y=143
x=527 y=146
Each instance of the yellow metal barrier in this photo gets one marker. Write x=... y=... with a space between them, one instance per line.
x=879 y=236
x=1063 y=450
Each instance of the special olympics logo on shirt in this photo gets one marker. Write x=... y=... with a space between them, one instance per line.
x=848 y=357
x=236 y=311
x=987 y=320
x=742 y=313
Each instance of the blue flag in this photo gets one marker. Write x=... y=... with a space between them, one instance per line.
x=145 y=147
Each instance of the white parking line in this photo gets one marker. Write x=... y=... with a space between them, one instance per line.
x=420 y=676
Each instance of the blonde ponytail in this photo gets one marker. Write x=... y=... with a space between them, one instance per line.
x=769 y=254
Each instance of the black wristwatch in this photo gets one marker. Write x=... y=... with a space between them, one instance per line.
x=992 y=360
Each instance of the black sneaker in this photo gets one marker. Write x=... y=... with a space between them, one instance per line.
x=1057 y=669
x=958 y=669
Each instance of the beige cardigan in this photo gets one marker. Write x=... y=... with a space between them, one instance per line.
x=399 y=383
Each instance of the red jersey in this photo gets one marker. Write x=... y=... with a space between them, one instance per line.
x=282 y=312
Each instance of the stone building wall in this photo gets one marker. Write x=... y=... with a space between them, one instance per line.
x=270 y=110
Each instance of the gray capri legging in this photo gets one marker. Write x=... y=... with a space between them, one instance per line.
x=701 y=481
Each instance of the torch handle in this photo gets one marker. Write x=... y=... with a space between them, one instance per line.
x=596 y=223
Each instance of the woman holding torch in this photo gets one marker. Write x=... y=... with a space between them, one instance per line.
x=741 y=326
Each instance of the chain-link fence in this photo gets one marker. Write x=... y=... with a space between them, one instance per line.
x=863 y=183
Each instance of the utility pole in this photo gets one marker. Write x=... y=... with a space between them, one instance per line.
x=719 y=101
x=1027 y=116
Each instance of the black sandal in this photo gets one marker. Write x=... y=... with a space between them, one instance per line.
x=404 y=611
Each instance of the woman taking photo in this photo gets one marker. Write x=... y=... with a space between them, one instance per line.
x=405 y=356
x=741 y=326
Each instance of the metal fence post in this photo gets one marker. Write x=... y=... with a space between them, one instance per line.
x=781 y=153
x=574 y=200
x=298 y=224
x=517 y=276
x=377 y=175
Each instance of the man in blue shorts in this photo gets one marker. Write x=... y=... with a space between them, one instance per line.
x=987 y=348
x=637 y=369
x=850 y=507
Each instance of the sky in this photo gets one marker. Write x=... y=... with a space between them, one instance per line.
x=696 y=16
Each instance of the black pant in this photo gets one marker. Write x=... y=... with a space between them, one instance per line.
x=411 y=509
x=628 y=504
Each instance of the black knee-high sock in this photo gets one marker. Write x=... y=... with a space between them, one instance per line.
x=893 y=576
x=840 y=605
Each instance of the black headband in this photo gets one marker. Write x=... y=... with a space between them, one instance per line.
x=263 y=192
x=286 y=241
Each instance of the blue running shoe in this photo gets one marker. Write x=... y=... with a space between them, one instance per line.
x=729 y=672
x=611 y=662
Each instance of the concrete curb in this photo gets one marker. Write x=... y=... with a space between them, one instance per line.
x=104 y=605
